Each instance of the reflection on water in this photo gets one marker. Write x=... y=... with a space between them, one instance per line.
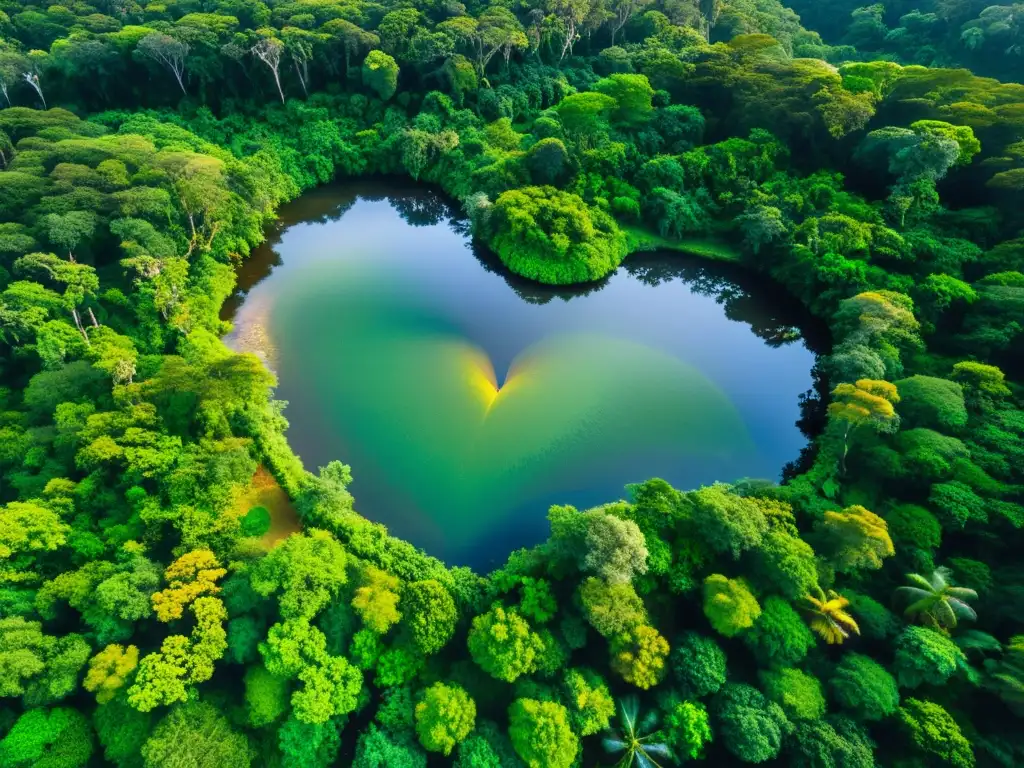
x=468 y=400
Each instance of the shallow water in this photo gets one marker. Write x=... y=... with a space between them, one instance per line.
x=467 y=401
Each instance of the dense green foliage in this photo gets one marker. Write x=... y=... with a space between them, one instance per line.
x=867 y=610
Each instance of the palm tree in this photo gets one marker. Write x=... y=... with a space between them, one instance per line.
x=935 y=601
x=829 y=617
x=637 y=739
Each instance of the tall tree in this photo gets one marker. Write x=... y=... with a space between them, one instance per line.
x=935 y=601
x=168 y=52
x=268 y=50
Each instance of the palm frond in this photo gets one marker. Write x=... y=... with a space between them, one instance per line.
x=659 y=749
x=962 y=609
x=847 y=623
x=613 y=744
x=629 y=707
x=944 y=614
x=914 y=593
x=650 y=723
x=940 y=578
x=962 y=592
x=920 y=581
x=920 y=606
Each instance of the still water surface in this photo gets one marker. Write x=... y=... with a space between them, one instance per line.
x=467 y=401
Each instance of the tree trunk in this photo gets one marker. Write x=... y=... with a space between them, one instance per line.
x=277 y=81
x=302 y=80
x=569 y=40
x=81 y=328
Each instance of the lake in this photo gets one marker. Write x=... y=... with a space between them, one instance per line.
x=467 y=401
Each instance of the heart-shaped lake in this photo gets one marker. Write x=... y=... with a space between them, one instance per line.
x=467 y=401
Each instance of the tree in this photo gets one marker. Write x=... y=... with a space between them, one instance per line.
x=381 y=749
x=69 y=229
x=308 y=570
x=611 y=608
x=30 y=528
x=122 y=730
x=798 y=693
x=552 y=236
x=963 y=135
x=636 y=739
x=837 y=741
x=109 y=670
x=1006 y=675
x=168 y=52
x=854 y=539
x=615 y=548
x=196 y=734
x=864 y=687
x=541 y=734
x=497 y=30
x=444 y=717
x=983 y=385
x=727 y=522
x=79 y=281
x=639 y=656
x=256 y=522
x=933 y=731
x=269 y=50
x=935 y=602
x=729 y=605
x=924 y=656
x=589 y=701
x=503 y=644
x=300 y=47
x=787 y=562
x=38 y=667
x=687 y=729
x=266 y=696
x=623 y=11
x=570 y=15
x=632 y=94
x=199 y=186
x=311 y=744
x=538 y=601
x=192 y=575
x=380 y=73
x=750 y=726
x=829 y=617
x=548 y=161
x=913 y=155
x=584 y=116
x=41 y=738
x=699 y=665
x=376 y=601
x=354 y=39
x=779 y=636
x=762 y=225
x=926 y=401
x=430 y=615
x=867 y=404
x=162 y=677
x=487 y=747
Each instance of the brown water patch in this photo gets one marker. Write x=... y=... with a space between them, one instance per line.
x=264 y=491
